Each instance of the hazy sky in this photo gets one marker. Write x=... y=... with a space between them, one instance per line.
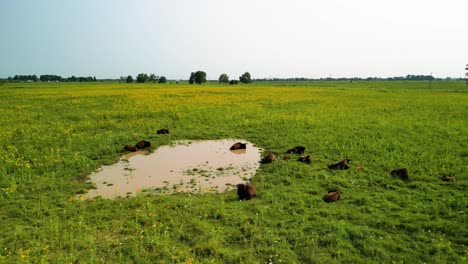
x=268 y=38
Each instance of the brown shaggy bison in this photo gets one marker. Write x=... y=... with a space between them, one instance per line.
x=269 y=158
x=130 y=148
x=332 y=196
x=238 y=145
x=342 y=165
x=448 y=178
x=143 y=144
x=400 y=173
x=246 y=191
x=163 y=131
x=304 y=159
x=296 y=150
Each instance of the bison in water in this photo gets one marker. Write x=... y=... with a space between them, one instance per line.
x=269 y=158
x=143 y=144
x=342 y=165
x=163 y=131
x=332 y=196
x=246 y=191
x=296 y=150
x=400 y=173
x=238 y=145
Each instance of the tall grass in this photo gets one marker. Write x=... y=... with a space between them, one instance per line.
x=53 y=135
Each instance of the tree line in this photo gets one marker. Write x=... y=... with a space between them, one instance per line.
x=143 y=78
x=409 y=77
x=199 y=77
x=49 y=78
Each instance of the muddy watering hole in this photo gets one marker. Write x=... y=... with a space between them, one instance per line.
x=185 y=166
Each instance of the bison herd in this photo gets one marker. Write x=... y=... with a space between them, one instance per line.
x=248 y=191
x=332 y=195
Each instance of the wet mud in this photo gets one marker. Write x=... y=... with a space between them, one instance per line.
x=186 y=166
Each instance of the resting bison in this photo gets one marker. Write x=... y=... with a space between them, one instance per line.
x=269 y=158
x=143 y=144
x=296 y=150
x=238 y=145
x=130 y=148
x=246 y=191
x=305 y=159
x=342 y=165
x=448 y=178
x=163 y=131
x=332 y=196
x=400 y=173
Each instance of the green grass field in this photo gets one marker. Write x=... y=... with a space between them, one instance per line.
x=54 y=134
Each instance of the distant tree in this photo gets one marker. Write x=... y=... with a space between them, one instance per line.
x=223 y=78
x=123 y=79
x=233 y=82
x=192 y=78
x=162 y=79
x=153 y=78
x=200 y=77
x=245 y=78
x=129 y=79
x=142 y=78
x=466 y=74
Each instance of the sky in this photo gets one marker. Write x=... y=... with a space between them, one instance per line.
x=267 y=38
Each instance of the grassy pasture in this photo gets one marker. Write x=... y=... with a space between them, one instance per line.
x=54 y=134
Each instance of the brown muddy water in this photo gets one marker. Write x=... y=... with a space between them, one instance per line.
x=186 y=166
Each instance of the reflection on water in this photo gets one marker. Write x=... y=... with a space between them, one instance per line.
x=187 y=166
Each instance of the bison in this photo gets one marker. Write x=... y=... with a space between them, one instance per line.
x=332 y=196
x=269 y=158
x=296 y=150
x=448 y=178
x=238 y=145
x=163 y=131
x=130 y=148
x=246 y=191
x=400 y=173
x=143 y=144
x=304 y=159
x=342 y=165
